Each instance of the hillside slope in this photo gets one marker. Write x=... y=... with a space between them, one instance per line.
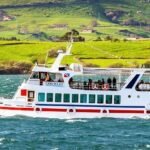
x=27 y=19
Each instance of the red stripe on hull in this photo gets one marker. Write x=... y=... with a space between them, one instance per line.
x=127 y=111
x=54 y=109
x=77 y=110
x=88 y=110
x=17 y=108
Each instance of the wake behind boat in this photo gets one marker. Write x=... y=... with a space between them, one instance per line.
x=74 y=91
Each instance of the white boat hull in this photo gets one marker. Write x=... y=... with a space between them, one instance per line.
x=71 y=113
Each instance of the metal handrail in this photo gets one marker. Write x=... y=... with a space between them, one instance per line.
x=95 y=86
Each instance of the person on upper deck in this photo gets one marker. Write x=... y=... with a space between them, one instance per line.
x=103 y=81
x=85 y=85
x=99 y=84
x=114 y=83
x=90 y=84
x=48 y=78
x=109 y=81
x=71 y=82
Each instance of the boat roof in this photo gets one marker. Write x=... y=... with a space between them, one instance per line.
x=85 y=70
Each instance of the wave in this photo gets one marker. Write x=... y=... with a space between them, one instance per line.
x=75 y=120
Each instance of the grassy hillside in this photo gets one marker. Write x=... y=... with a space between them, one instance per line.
x=32 y=17
x=102 y=54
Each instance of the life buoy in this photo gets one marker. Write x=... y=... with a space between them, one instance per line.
x=105 y=87
x=71 y=110
x=94 y=87
x=104 y=111
x=37 y=109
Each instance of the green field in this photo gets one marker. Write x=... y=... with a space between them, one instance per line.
x=96 y=54
x=76 y=14
x=35 y=25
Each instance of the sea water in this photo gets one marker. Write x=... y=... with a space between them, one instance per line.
x=23 y=133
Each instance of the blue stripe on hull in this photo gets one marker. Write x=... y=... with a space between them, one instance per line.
x=76 y=105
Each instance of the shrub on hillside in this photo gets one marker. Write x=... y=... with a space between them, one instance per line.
x=116 y=40
x=99 y=39
x=94 y=23
x=23 y=65
x=52 y=53
x=147 y=64
x=108 y=38
x=135 y=64
x=116 y=65
x=72 y=34
x=91 y=65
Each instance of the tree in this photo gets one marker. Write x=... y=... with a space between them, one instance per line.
x=108 y=38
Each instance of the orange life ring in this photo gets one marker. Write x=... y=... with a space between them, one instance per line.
x=105 y=87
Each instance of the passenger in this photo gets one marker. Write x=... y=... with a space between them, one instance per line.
x=138 y=85
x=103 y=82
x=99 y=83
x=114 y=83
x=47 y=77
x=71 y=82
x=109 y=82
x=85 y=86
x=141 y=82
x=90 y=84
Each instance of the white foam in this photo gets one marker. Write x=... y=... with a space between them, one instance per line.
x=148 y=146
x=55 y=148
x=1 y=140
x=75 y=120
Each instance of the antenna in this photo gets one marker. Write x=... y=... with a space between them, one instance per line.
x=61 y=55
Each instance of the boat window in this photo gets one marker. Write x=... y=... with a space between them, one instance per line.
x=108 y=99
x=42 y=75
x=58 y=97
x=66 y=98
x=35 y=75
x=100 y=99
x=117 y=99
x=51 y=77
x=144 y=83
x=30 y=94
x=83 y=98
x=49 y=97
x=100 y=80
x=41 y=97
x=91 y=98
x=75 y=98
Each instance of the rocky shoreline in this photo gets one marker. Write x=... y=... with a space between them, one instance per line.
x=14 y=70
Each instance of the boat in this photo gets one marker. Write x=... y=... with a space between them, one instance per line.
x=74 y=91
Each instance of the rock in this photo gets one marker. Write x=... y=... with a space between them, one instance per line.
x=132 y=22
x=114 y=15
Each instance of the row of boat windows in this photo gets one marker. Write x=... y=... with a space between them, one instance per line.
x=79 y=98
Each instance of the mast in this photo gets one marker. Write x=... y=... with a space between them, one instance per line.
x=56 y=64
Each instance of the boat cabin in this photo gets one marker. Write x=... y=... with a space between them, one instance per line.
x=42 y=78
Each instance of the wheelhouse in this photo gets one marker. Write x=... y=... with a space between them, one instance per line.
x=45 y=78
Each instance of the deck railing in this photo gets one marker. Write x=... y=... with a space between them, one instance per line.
x=95 y=86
